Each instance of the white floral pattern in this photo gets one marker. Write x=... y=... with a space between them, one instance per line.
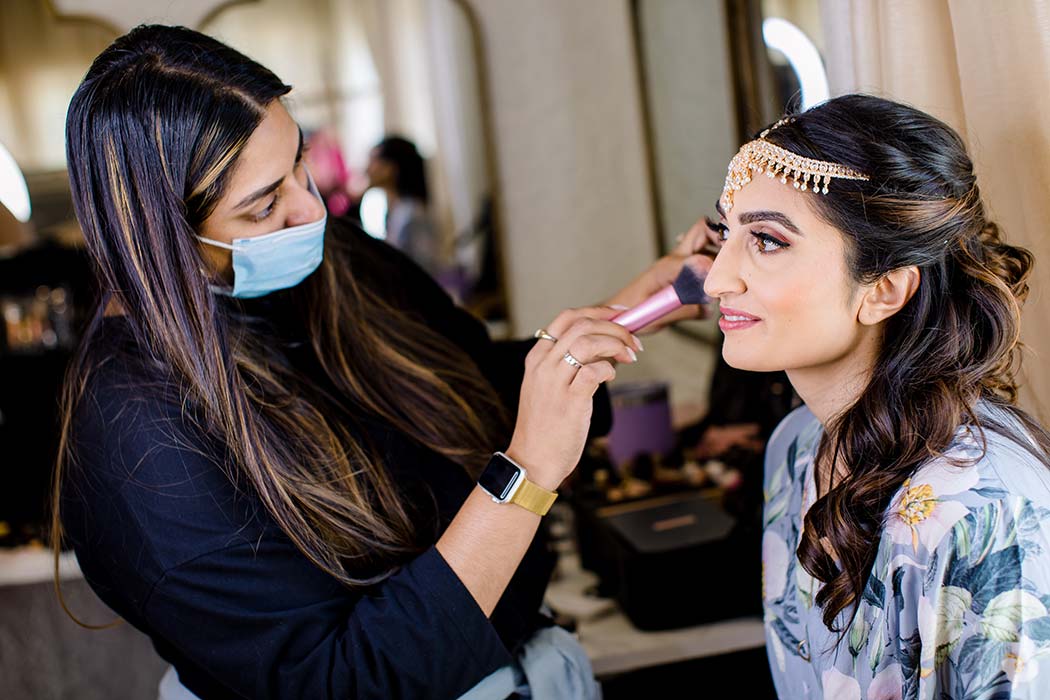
x=887 y=684
x=838 y=685
x=957 y=605
x=922 y=513
x=774 y=565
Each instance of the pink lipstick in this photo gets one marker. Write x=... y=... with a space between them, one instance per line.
x=735 y=320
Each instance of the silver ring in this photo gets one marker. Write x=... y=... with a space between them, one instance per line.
x=572 y=360
x=542 y=334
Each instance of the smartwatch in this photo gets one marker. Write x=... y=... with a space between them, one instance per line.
x=507 y=482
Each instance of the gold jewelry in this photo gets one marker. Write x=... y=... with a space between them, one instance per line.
x=572 y=360
x=763 y=156
x=542 y=334
x=533 y=498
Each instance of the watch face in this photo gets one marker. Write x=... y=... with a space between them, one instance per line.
x=499 y=478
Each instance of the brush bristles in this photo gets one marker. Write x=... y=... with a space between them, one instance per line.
x=689 y=285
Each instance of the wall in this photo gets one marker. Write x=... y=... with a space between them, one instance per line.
x=576 y=208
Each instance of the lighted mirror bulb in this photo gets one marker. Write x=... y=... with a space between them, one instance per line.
x=803 y=57
x=13 y=191
x=373 y=212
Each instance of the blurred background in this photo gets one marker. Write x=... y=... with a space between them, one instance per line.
x=531 y=156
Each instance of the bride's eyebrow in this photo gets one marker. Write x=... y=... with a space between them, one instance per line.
x=751 y=217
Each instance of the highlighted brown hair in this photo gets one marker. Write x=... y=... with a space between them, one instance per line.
x=153 y=133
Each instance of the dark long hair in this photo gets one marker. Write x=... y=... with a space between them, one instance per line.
x=153 y=134
x=947 y=359
x=411 y=180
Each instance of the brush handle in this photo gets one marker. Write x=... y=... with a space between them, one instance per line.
x=660 y=304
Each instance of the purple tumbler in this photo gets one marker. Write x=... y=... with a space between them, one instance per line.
x=641 y=421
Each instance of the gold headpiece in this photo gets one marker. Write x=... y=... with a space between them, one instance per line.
x=763 y=156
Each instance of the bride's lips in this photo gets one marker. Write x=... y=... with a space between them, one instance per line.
x=736 y=320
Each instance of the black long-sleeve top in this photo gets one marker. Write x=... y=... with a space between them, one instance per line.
x=195 y=562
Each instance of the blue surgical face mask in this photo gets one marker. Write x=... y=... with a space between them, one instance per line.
x=274 y=261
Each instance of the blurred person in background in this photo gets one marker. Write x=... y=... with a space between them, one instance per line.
x=396 y=166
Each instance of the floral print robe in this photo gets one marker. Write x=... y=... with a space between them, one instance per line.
x=956 y=606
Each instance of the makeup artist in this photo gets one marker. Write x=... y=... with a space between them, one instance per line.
x=278 y=445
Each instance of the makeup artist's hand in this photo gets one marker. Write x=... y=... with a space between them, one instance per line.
x=554 y=412
x=698 y=239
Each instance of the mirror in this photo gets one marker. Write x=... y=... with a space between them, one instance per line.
x=712 y=74
x=362 y=71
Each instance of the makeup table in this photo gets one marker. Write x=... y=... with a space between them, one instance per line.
x=616 y=646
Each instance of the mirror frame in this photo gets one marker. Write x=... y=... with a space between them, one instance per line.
x=488 y=138
x=750 y=79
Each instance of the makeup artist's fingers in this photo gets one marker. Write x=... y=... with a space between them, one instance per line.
x=589 y=349
x=555 y=406
x=700 y=238
x=591 y=376
x=587 y=334
x=560 y=326
x=693 y=240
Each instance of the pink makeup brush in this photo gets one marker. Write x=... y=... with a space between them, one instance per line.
x=688 y=288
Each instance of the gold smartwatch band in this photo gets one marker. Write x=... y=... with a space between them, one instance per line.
x=533 y=498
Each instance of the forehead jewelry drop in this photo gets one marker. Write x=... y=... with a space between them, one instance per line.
x=760 y=156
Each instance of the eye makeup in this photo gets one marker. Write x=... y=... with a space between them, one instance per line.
x=766 y=243
x=720 y=230
x=765 y=239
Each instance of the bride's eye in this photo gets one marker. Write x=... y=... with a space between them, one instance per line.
x=719 y=231
x=768 y=244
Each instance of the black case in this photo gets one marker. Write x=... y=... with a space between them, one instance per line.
x=673 y=561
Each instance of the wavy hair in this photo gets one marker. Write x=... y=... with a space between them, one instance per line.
x=947 y=359
x=153 y=134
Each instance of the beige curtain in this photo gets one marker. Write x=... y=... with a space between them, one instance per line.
x=984 y=68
